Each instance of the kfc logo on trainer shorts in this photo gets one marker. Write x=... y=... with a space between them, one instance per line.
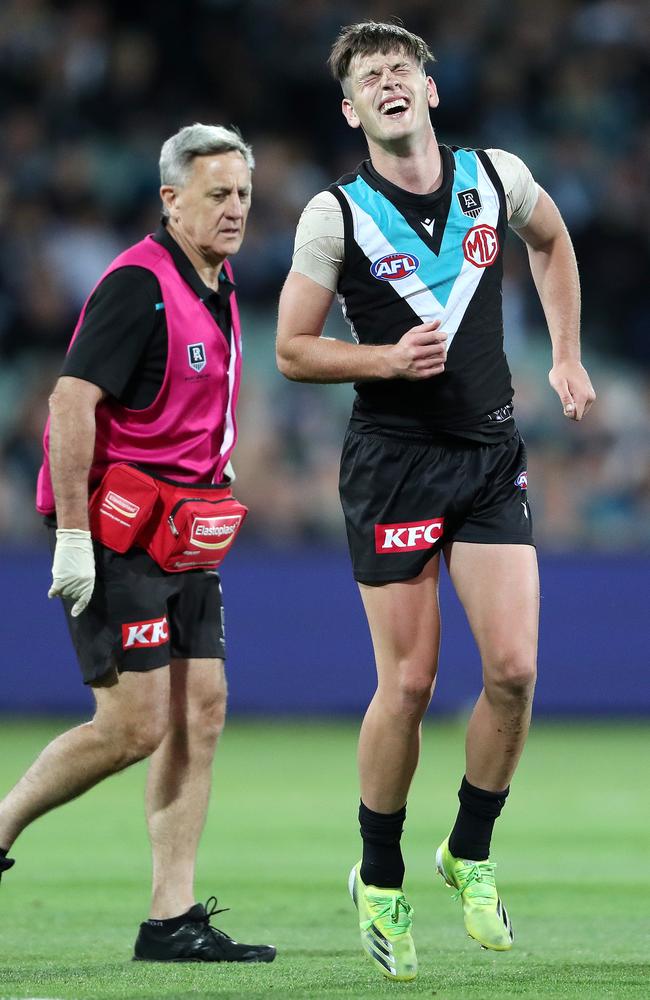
x=409 y=536
x=144 y=635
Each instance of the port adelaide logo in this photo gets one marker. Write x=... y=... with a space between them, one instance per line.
x=394 y=266
x=470 y=202
x=196 y=356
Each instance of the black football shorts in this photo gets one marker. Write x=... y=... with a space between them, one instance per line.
x=405 y=497
x=139 y=616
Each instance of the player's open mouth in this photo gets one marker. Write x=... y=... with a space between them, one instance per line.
x=394 y=107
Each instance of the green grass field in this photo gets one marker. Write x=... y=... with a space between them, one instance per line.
x=572 y=847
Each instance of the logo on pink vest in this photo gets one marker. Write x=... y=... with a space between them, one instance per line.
x=196 y=355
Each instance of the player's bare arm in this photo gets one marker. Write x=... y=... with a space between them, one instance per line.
x=303 y=355
x=72 y=443
x=555 y=273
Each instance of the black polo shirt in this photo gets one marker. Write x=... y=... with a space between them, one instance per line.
x=122 y=343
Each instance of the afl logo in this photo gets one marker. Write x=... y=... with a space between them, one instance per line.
x=394 y=266
x=522 y=480
x=481 y=246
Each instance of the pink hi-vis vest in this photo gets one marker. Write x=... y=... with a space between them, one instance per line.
x=189 y=431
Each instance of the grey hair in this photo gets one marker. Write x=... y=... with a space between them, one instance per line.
x=179 y=150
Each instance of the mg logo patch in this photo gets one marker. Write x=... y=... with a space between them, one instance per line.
x=196 y=355
x=470 y=202
x=481 y=245
x=394 y=266
x=408 y=536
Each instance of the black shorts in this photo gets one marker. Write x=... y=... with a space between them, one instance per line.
x=139 y=616
x=404 y=498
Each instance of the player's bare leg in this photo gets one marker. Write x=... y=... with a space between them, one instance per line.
x=129 y=723
x=179 y=780
x=405 y=627
x=499 y=588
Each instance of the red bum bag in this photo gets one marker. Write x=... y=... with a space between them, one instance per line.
x=181 y=526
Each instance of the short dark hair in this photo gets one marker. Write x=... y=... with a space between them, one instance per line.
x=367 y=37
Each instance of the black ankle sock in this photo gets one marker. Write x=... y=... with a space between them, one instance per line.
x=382 y=863
x=472 y=832
x=170 y=924
x=3 y=853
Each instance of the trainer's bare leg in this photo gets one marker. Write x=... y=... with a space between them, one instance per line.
x=498 y=586
x=179 y=780
x=129 y=722
x=404 y=624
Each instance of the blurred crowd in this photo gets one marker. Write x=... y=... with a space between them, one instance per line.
x=88 y=92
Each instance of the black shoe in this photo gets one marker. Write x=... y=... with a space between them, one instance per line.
x=5 y=864
x=195 y=940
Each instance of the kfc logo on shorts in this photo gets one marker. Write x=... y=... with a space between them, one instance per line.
x=408 y=536
x=144 y=635
x=481 y=245
x=522 y=480
x=394 y=266
x=196 y=354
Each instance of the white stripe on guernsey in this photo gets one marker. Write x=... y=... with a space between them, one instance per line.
x=375 y=246
x=470 y=275
x=411 y=288
x=229 y=429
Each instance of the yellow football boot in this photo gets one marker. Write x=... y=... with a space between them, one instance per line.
x=485 y=916
x=385 y=920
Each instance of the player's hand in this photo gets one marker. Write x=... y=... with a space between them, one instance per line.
x=573 y=386
x=421 y=352
x=73 y=569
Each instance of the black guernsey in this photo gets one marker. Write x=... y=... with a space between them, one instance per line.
x=411 y=259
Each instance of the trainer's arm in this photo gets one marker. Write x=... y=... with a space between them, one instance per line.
x=72 y=444
x=555 y=273
x=303 y=355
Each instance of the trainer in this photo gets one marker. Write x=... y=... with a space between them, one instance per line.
x=150 y=379
x=411 y=241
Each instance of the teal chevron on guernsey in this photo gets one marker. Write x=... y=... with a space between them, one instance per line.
x=443 y=284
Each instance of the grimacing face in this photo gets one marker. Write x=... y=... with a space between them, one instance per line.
x=211 y=208
x=388 y=95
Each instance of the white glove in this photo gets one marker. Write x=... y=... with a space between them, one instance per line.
x=73 y=569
